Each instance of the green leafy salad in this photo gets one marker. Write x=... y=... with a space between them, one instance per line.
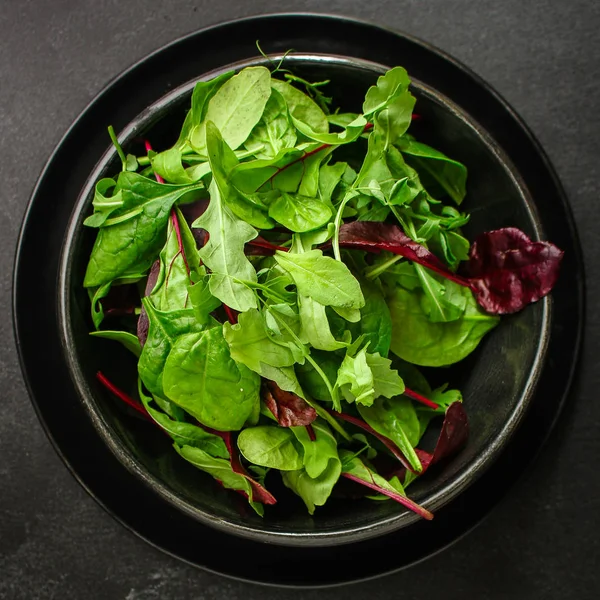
x=281 y=273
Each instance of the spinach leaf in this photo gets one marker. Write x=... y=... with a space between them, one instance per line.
x=299 y=213
x=441 y=302
x=352 y=131
x=224 y=253
x=439 y=174
x=318 y=452
x=201 y=377
x=274 y=131
x=130 y=341
x=301 y=107
x=236 y=107
x=221 y=470
x=322 y=278
x=311 y=380
x=133 y=235
x=375 y=320
x=202 y=301
x=164 y=329
x=270 y=446
x=168 y=165
x=184 y=433
x=416 y=339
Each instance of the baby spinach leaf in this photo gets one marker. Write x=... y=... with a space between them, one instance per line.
x=441 y=302
x=322 y=278
x=299 y=213
x=315 y=326
x=201 y=377
x=329 y=178
x=416 y=339
x=375 y=320
x=202 y=301
x=351 y=132
x=251 y=345
x=288 y=408
x=224 y=253
x=236 y=107
x=133 y=235
x=184 y=433
x=274 y=131
x=313 y=491
x=438 y=172
x=318 y=452
x=164 y=328
x=130 y=341
x=270 y=446
x=301 y=107
x=311 y=381
x=221 y=470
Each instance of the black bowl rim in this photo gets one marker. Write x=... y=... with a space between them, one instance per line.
x=575 y=338
x=434 y=500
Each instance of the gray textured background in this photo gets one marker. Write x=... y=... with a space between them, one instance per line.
x=55 y=542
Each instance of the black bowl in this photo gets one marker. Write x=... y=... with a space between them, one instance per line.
x=497 y=380
x=521 y=373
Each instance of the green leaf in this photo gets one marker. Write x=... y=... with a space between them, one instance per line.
x=270 y=446
x=301 y=107
x=396 y=419
x=221 y=470
x=311 y=380
x=284 y=377
x=133 y=235
x=251 y=345
x=375 y=320
x=201 y=377
x=128 y=340
x=386 y=381
x=318 y=452
x=236 y=107
x=104 y=203
x=168 y=165
x=355 y=379
x=184 y=433
x=329 y=178
x=322 y=278
x=164 y=328
x=440 y=174
x=315 y=326
x=224 y=253
x=202 y=301
x=299 y=213
x=274 y=131
x=416 y=339
x=391 y=85
x=352 y=131
x=441 y=302
x=179 y=261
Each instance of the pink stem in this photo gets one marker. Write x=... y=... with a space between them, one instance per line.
x=416 y=396
x=122 y=395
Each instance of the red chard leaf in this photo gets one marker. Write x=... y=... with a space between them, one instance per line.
x=143 y=322
x=508 y=271
x=288 y=408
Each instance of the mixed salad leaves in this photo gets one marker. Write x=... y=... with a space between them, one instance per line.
x=283 y=270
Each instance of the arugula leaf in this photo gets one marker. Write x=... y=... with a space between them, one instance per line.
x=250 y=343
x=133 y=235
x=315 y=326
x=236 y=107
x=270 y=446
x=201 y=377
x=274 y=131
x=104 y=204
x=224 y=253
x=322 y=278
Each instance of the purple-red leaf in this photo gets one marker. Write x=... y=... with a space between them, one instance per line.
x=508 y=271
x=288 y=408
x=143 y=323
x=371 y=236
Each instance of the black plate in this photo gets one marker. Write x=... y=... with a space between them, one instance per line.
x=35 y=302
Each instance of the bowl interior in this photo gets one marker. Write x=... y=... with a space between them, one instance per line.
x=496 y=380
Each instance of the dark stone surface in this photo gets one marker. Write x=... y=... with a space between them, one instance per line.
x=543 y=56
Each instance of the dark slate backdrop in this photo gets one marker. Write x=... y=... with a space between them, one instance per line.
x=543 y=57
